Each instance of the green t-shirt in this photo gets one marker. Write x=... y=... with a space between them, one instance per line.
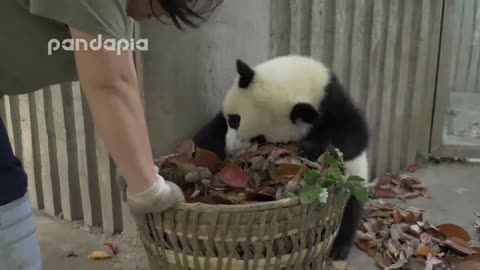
x=27 y=26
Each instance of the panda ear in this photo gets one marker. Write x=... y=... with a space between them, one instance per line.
x=305 y=112
x=246 y=74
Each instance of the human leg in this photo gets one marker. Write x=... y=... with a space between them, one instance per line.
x=18 y=242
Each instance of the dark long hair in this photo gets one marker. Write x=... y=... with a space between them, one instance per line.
x=187 y=11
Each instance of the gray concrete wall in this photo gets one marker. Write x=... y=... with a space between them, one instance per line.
x=187 y=73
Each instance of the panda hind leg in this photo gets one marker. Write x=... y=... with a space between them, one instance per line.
x=344 y=241
x=353 y=213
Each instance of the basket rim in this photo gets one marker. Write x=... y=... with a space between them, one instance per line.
x=286 y=202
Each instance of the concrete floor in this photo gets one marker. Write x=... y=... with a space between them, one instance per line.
x=58 y=238
x=455 y=197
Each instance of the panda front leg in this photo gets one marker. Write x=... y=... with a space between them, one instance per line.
x=212 y=135
x=313 y=149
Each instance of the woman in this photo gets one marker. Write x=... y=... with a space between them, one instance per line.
x=109 y=84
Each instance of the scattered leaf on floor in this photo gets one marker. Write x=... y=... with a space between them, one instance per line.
x=398 y=265
x=452 y=230
x=422 y=250
x=340 y=265
x=413 y=167
x=98 y=255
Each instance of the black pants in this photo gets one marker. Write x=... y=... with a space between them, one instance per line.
x=13 y=179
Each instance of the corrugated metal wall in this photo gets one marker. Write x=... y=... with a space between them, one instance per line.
x=385 y=53
x=70 y=171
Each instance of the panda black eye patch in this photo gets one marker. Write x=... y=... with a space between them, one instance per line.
x=260 y=139
x=234 y=121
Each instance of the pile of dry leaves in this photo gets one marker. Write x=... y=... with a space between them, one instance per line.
x=399 y=186
x=265 y=173
x=399 y=238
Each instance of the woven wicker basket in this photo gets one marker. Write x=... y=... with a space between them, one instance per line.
x=275 y=235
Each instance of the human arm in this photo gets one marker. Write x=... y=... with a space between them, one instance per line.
x=109 y=83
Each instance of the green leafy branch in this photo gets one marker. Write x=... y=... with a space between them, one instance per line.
x=316 y=185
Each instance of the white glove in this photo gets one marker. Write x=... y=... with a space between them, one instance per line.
x=162 y=195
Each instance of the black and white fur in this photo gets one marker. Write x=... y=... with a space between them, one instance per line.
x=293 y=99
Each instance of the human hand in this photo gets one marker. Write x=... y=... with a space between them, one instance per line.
x=161 y=196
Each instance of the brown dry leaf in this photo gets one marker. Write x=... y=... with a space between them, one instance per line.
x=401 y=186
x=289 y=160
x=453 y=259
x=422 y=250
x=452 y=230
x=365 y=236
x=415 y=230
x=258 y=163
x=373 y=225
x=372 y=252
x=247 y=156
x=206 y=158
x=364 y=246
x=460 y=242
x=411 y=195
x=413 y=167
x=468 y=265
x=415 y=210
x=409 y=218
x=392 y=249
x=221 y=198
x=278 y=153
x=458 y=247
x=415 y=263
x=394 y=234
x=384 y=193
x=379 y=214
x=98 y=255
x=397 y=265
x=232 y=175
x=431 y=262
x=340 y=265
x=471 y=262
x=286 y=170
x=383 y=262
x=408 y=251
x=187 y=148
x=198 y=174
x=433 y=231
x=263 y=194
x=374 y=243
x=397 y=217
x=182 y=164
x=284 y=173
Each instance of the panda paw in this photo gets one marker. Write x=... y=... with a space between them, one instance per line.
x=312 y=151
x=340 y=251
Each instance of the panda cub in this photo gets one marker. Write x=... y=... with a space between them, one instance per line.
x=293 y=99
